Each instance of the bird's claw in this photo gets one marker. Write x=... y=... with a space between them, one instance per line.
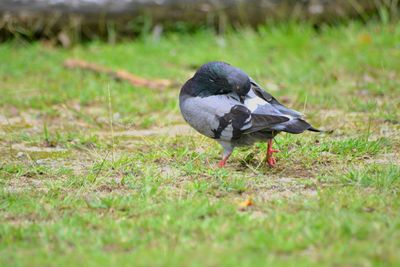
x=221 y=164
x=271 y=161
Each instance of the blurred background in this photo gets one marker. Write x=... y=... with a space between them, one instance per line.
x=70 y=21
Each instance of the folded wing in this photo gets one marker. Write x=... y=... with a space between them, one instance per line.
x=239 y=120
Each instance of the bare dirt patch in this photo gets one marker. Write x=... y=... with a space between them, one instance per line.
x=170 y=131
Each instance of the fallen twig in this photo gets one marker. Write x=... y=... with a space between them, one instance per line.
x=120 y=75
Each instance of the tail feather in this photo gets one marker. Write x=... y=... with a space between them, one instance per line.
x=312 y=129
x=298 y=125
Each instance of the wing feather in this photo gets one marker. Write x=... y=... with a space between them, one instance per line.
x=260 y=92
x=239 y=120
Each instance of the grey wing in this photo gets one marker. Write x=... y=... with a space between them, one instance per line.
x=261 y=93
x=224 y=117
x=259 y=101
x=239 y=120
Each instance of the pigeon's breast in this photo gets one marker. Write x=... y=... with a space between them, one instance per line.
x=202 y=113
x=207 y=115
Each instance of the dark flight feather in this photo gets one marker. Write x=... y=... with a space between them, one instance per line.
x=265 y=122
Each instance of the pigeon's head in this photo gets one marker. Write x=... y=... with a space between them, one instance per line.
x=216 y=78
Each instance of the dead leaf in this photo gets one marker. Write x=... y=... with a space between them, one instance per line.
x=247 y=203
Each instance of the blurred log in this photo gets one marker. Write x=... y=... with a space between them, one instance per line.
x=84 y=17
x=195 y=11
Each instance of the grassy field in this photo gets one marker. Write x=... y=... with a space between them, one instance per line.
x=96 y=172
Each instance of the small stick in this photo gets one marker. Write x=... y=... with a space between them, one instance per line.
x=119 y=75
x=111 y=122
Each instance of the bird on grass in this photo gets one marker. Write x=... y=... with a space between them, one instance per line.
x=222 y=102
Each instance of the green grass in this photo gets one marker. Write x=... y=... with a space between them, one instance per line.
x=74 y=192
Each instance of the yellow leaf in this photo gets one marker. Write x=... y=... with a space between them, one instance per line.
x=248 y=202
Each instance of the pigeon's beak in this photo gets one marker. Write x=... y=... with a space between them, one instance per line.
x=242 y=98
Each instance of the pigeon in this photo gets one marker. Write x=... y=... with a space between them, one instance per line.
x=222 y=102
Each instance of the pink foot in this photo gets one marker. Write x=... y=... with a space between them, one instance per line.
x=222 y=163
x=270 y=159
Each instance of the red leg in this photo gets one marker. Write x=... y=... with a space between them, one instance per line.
x=270 y=159
x=222 y=162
